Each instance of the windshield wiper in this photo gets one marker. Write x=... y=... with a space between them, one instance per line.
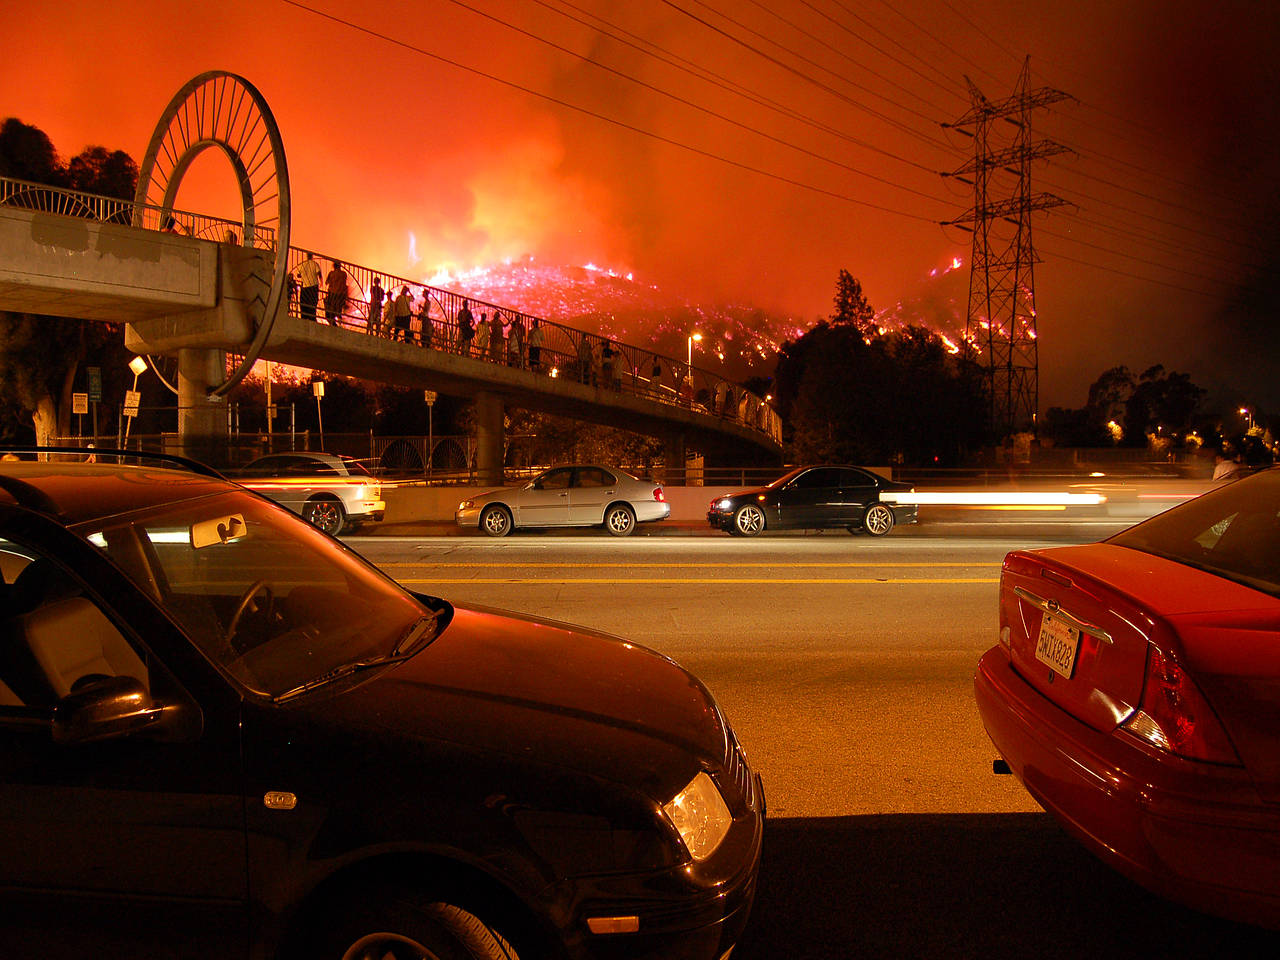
x=403 y=650
x=337 y=673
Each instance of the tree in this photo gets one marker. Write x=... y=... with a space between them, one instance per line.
x=27 y=153
x=849 y=394
x=108 y=174
x=851 y=306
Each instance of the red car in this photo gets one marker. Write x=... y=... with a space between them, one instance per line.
x=1135 y=692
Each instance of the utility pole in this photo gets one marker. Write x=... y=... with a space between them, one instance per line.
x=1000 y=331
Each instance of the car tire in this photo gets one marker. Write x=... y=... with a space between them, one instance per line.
x=748 y=520
x=495 y=521
x=325 y=514
x=399 y=928
x=620 y=520
x=878 y=520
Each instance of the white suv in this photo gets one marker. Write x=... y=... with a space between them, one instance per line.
x=332 y=492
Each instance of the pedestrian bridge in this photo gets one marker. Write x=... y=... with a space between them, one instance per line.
x=192 y=286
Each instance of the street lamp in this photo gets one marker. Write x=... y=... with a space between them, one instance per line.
x=1248 y=415
x=133 y=399
x=692 y=338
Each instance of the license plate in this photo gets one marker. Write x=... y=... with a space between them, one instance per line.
x=1057 y=645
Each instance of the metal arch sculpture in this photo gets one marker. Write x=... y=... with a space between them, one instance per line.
x=224 y=111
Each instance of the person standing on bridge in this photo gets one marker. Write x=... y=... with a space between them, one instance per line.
x=466 y=328
x=388 y=318
x=482 y=335
x=535 y=346
x=497 y=341
x=515 y=342
x=424 y=319
x=403 y=314
x=309 y=282
x=335 y=293
x=375 y=306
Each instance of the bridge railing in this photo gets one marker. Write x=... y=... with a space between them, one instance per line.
x=556 y=350
x=89 y=206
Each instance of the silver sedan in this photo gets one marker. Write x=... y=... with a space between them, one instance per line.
x=569 y=496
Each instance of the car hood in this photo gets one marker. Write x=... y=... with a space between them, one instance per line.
x=544 y=692
x=739 y=494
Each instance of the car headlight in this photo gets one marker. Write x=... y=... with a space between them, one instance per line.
x=465 y=504
x=700 y=816
x=725 y=504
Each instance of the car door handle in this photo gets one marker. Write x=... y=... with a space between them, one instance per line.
x=564 y=494
x=1051 y=607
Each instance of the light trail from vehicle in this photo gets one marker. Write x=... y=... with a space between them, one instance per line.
x=706 y=580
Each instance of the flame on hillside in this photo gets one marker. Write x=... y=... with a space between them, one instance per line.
x=741 y=339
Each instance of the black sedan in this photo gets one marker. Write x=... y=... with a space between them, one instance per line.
x=813 y=498
x=225 y=734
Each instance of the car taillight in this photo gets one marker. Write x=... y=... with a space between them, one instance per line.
x=1176 y=717
x=659 y=495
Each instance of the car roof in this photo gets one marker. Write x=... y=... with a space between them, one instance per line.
x=301 y=455
x=78 y=492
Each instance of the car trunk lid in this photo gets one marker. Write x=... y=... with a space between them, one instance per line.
x=1075 y=631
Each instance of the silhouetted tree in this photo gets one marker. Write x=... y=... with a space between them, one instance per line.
x=27 y=153
x=851 y=306
x=108 y=174
x=849 y=394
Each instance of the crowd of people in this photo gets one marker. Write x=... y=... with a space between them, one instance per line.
x=501 y=336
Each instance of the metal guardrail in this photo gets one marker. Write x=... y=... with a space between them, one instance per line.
x=558 y=350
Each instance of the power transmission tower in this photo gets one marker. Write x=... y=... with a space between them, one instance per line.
x=1000 y=332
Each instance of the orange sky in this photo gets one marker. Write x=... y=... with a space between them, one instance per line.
x=1175 y=157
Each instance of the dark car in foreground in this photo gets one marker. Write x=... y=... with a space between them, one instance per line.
x=1135 y=692
x=334 y=493
x=225 y=734
x=814 y=498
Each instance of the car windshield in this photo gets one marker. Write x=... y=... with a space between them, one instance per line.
x=265 y=595
x=1233 y=532
x=786 y=478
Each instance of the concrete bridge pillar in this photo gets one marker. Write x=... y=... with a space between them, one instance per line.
x=202 y=420
x=673 y=459
x=490 y=441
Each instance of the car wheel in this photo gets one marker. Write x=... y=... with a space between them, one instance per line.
x=495 y=521
x=749 y=520
x=400 y=929
x=619 y=520
x=328 y=515
x=878 y=520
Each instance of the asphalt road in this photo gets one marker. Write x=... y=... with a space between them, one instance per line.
x=845 y=665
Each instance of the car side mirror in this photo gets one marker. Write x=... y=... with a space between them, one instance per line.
x=104 y=709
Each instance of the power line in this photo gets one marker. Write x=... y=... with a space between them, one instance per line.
x=386 y=38
x=684 y=101
x=810 y=79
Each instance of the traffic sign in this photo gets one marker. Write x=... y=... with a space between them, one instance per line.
x=79 y=403
x=132 y=399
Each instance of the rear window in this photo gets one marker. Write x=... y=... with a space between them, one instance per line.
x=1233 y=532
